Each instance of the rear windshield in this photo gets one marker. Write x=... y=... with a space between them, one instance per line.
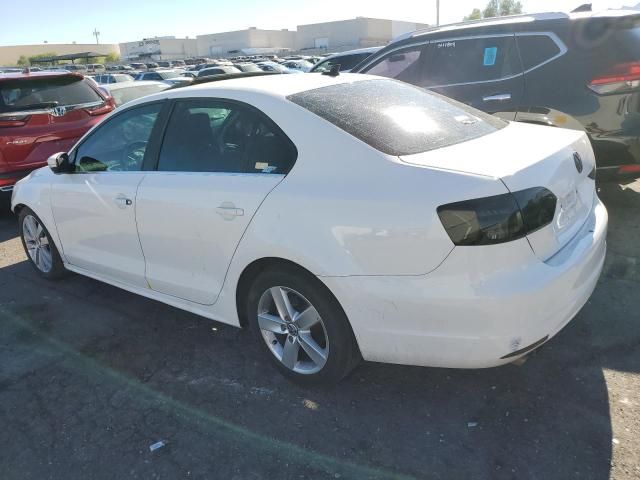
x=35 y=93
x=397 y=118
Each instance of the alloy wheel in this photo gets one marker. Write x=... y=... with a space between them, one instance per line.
x=293 y=330
x=37 y=243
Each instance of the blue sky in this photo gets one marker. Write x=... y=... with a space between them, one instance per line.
x=63 y=21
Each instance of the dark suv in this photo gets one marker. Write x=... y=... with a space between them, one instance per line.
x=579 y=71
x=43 y=113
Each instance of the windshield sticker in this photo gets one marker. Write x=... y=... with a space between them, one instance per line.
x=490 y=55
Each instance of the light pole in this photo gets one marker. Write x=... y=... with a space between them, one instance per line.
x=96 y=34
x=438 y=13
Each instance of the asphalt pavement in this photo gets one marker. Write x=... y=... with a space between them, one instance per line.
x=91 y=377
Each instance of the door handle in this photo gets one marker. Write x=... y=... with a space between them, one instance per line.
x=122 y=201
x=500 y=97
x=228 y=211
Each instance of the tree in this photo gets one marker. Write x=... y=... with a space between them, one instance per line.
x=35 y=58
x=112 y=58
x=23 y=61
x=496 y=8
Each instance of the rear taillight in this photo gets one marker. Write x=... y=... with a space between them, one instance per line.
x=622 y=78
x=629 y=169
x=14 y=120
x=498 y=219
x=106 y=107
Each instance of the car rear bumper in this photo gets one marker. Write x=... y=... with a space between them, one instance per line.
x=482 y=307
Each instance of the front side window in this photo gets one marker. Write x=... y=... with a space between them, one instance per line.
x=405 y=65
x=120 y=144
x=215 y=136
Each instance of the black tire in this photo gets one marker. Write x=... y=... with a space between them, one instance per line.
x=343 y=353
x=57 y=269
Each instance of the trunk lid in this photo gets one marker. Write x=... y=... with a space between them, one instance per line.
x=524 y=156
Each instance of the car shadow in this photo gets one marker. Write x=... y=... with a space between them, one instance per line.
x=93 y=375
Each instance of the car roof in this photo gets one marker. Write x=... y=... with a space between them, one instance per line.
x=353 y=52
x=512 y=20
x=44 y=73
x=279 y=86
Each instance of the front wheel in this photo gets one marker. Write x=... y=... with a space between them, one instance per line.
x=38 y=245
x=301 y=326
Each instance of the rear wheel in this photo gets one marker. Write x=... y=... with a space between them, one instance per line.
x=38 y=245
x=301 y=327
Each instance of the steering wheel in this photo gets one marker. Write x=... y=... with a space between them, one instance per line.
x=133 y=155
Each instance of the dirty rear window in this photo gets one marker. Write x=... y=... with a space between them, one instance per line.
x=45 y=92
x=397 y=118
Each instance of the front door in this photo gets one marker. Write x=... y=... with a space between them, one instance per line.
x=217 y=164
x=94 y=207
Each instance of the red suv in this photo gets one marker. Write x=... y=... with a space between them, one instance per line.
x=42 y=113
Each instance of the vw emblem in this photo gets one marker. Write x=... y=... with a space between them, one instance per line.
x=577 y=160
x=58 y=111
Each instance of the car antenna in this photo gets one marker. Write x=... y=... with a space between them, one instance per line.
x=334 y=71
x=26 y=70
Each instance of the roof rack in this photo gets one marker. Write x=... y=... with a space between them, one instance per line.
x=224 y=76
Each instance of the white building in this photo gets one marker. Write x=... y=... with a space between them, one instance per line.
x=251 y=41
x=343 y=35
x=158 y=48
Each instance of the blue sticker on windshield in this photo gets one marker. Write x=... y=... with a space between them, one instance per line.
x=490 y=55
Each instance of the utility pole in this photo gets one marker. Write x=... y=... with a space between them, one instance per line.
x=96 y=34
x=437 y=13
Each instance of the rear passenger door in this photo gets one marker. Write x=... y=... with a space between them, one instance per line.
x=218 y=162
x=484 y=72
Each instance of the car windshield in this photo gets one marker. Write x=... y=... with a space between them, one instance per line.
x=346 y=62
x=397 y=118
x=124 y=95
x=43 y=92
x=249 y=67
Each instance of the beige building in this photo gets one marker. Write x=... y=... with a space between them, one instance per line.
x=251 y=41
x=349 y=34
x=159 y=48
x=10 y=55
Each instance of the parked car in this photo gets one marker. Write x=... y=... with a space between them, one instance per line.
x=95 y=68
x=578 y=71
x=71 y=67
x=152 y=65
x=247 y=67
x=221 y=70
x=276 y=67
x=346 y=60
x=452 y=238
x=113 y=78
x=138 y=66
x=164 y=64
x=127 y=91
x=42 y=113
x=301 y=65
x=161 y=76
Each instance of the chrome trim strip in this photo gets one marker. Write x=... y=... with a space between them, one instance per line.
x=49 y=111
x=6 y=189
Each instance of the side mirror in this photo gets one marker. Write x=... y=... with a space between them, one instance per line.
x=59 y=162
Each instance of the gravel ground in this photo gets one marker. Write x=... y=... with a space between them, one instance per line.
x=92 y=376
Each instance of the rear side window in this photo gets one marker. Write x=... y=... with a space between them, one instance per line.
x=216 y=136
x=536 y=50
x=34 y=93
x=396 y=118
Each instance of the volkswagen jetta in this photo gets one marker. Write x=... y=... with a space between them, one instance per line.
x=338 y=217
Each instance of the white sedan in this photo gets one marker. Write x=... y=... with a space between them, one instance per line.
x=338 y=217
